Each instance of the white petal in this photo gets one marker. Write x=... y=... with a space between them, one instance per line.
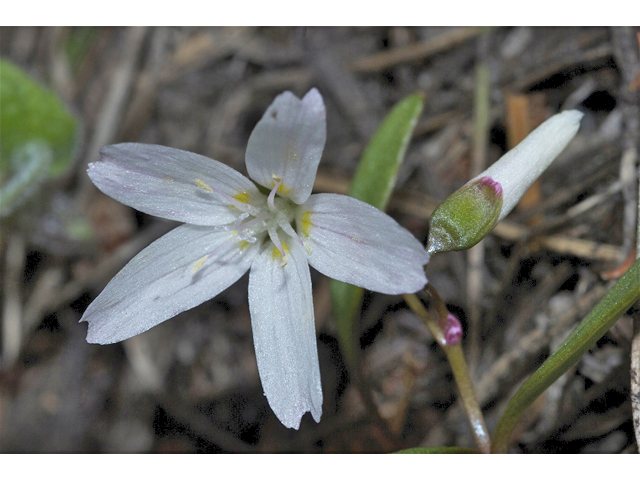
x=168 y=277
x=163 y=181
x=288 y=142
x=520 y=167
x=353 y=242
x=281 y=306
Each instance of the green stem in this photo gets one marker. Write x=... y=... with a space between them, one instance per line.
x=618 y=300
x=418 y=308
x=455 y=356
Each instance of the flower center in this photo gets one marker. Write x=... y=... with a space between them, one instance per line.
x=276 y=217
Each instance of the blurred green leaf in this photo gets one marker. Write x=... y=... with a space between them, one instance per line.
x=28 y=113
x=618 y=300
x=437 y=450
x=373 y=183
x=34 y=159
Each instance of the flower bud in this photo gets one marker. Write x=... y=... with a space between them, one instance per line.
x=452 y=329
x=470 y=213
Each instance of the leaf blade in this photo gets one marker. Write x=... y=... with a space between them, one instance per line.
x=373 y=183
x=618 y=300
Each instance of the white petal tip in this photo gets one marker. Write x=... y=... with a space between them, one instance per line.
x=575 y=115
x=312 y=95
x=569 y=118
x=97 y=336
x=92 y=338
x=294 y=419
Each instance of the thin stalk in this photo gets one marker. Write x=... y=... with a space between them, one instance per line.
x=455 y=356
x=418 y=308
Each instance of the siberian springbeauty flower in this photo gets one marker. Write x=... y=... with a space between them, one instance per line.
x=472 y=211
x=231 y=227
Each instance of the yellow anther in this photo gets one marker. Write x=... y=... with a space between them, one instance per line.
x=277 y=180
x=276 y=254
x=306 y=223
x=203 y=185
x=198 y=265
x=242 y=197
x=284 y=190
x=307 y=247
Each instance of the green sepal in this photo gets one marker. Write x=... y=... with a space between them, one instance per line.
x=465 y=217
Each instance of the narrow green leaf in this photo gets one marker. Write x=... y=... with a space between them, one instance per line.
x=618 y=300
x=376 y=175
x=28 y=113
x=346 y=300
x=437 y=450
x=373 y=183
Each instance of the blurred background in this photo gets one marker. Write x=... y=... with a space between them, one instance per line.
x=191 y=384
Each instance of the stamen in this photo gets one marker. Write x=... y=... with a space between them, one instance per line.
x=253 y=222
x=198 y=265
x=239 y=221
x=246 y=237
x=239 y=228
x=272 y=194
x=273 y=235
x=284 y=224
x=203 y=186
x=243 y=207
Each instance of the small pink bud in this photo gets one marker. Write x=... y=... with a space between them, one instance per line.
x=452 y=329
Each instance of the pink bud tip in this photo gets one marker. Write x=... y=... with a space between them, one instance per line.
x=452 y=330
x=492 y=183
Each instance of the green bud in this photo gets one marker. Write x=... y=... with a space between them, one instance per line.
x=464 y=218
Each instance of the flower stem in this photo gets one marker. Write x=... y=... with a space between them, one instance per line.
x=455 y=356
x=467 y=393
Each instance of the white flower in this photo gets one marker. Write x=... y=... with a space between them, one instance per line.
x=232 y=227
